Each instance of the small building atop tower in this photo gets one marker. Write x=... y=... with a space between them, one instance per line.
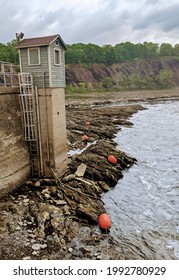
x=44 y=55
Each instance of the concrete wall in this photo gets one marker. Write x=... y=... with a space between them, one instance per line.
x=14 y=153
x=53 y=123
x=14 y=150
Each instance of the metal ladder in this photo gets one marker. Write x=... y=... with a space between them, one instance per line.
x=31 y=121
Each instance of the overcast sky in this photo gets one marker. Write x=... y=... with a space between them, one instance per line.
x=92 y=21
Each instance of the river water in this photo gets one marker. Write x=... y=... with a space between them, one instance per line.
x=144 y=206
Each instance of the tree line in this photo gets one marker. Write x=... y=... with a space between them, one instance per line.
x=87 y=54
x=108 y=54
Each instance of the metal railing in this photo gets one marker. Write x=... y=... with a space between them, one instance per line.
x=9 y=79
x=8 y=74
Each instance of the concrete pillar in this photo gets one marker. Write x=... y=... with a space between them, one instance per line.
x=53 y=129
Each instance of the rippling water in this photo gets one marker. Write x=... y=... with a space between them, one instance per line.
x=144 y=206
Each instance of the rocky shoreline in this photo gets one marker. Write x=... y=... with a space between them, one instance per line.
x=58 y=218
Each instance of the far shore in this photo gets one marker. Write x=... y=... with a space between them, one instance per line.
x=120 y=97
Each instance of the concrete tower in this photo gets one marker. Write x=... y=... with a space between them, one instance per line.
x=44 y=58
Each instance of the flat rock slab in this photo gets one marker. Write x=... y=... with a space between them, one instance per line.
x=81 y=170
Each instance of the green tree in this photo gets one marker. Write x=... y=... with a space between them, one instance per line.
x=107 y=82
x=109 y=54
x=100 y=85
x=125 y=82
x=81 y=85
x=126 y=51
x=93 y=54
x=166 y=50
x=151 y=82
x=9 y=53
x=176 y=50
x=74 y=55
x=165 y=78
x=136 y=81
x=89 y=86
x=149 y=50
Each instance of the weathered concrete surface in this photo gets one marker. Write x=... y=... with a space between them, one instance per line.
x=53 y=123
x=14 y=163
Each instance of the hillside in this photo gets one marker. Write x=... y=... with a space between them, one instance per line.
x=96 y=73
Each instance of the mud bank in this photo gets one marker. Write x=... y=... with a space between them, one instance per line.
x=122 y=97
x=57 y=218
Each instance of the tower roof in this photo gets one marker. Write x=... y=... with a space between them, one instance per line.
x=40 y=41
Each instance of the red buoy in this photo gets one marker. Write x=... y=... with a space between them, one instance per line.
x=104 y=221
x=87 y=123
x=112 y=159
x=85 y=138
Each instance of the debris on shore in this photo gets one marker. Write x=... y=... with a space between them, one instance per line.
x=104 y=122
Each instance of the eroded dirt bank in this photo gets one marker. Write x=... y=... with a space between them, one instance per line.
x=96 y=73
x=58 y=218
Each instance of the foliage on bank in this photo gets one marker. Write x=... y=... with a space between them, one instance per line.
x=128 y=82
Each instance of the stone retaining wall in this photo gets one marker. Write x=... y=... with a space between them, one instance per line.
x=14 y=153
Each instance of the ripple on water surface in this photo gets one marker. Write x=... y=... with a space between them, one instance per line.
x=144 y=206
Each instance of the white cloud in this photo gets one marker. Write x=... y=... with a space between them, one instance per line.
x=96 y=21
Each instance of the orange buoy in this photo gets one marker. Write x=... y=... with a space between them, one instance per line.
x=87 y=123
x=85 y=138
x=104 y=221
x=112 y=159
